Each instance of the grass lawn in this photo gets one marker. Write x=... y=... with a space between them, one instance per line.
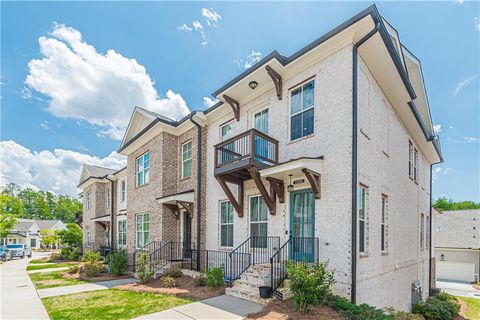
x=109 y=304
x=473 y=307
x=38 y=261
x=49 y=266
x=52 y=279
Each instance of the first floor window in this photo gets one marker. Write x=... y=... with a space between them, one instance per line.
x=258 y=221
x=422 y=231
x=362 y=218
x=122 y=233
x=143 y=169
x=226 y=224
x=142 y=229
x=384 y=223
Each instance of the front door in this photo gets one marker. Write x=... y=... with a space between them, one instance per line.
x=187 y=234
x=302 y=225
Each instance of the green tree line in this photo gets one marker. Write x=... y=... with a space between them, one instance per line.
x=444 y=204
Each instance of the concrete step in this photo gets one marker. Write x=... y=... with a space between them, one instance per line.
x=246 y=295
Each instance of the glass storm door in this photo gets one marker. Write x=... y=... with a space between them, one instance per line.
x=187 y=234
x=302 y=225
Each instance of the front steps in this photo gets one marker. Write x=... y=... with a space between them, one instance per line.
x=247 y=286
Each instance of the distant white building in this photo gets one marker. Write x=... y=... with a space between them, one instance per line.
x=27 y=231
x=457 y=245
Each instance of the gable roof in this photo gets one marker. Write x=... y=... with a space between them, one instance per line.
x=47 y=224
x=23 y=225
x=458 y=229
x=90 y=171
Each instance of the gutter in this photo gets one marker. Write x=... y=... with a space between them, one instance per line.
x=353 y=293
x=199 y=184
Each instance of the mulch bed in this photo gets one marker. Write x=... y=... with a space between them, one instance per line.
x=476 y=286
x=184 y=288
x=285 y=310
x=101 y=277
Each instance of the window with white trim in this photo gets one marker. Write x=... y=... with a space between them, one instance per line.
x=415 y=165
x=123 y=190
x=142 y=229
x=362 y=219
x=383 y=230
x=410 y=159
x=422 y=231
x=187 y=159
x=258 y=221
x=226 y=224
x=226 y=131
x=122 y=233
x=143 y=169
x=302 y=104
x=89 y=200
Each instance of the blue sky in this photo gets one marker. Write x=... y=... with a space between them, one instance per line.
x=72 y=72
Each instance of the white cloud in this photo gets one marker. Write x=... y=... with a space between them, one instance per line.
x=437 y=128
x=464 y=83
x=460 y=2
x=471 y=139
x=197 y=25
x=476 y=21
x=208 y=102
x=252 y=58
x=45 y=126
x=101 y=89
x=438 y=171
x=58 y=171
x=184 y=28
x=211 y=16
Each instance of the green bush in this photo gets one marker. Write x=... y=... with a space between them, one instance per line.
x=69 y=253
x=401 y=315
x=73 y=269
x=168 y=282
x=144 y=272
x=309 y=283
x=215 y=277
x=440 y=307
x=117 y=262
x=357 y=312
x=200 y=280
x=173 y=272
x=91 y=256
x=93 y=268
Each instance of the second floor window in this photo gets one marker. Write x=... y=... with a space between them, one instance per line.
x=89 y=200
x=187 y=159
x=226 y=224
x=362 y=219
x=123 y=190
x=301 y=110
x=383 y=227
x=143 y=169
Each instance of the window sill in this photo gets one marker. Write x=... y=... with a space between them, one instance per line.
x=363 y=255
x=143 y=185
x=301 y=139
x=185 y=178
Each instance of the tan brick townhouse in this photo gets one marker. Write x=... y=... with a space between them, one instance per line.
x=322 y=155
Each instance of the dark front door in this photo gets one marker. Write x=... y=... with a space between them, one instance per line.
x=302 y=225
x=187 y=234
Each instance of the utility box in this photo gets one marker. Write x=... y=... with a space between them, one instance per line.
x=416 y=292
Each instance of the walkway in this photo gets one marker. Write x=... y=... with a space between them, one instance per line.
x=19 y=299
x=218 y=308
x=459 y=289
x=84 y=287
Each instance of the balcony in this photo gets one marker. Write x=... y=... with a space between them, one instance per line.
x=250 y=149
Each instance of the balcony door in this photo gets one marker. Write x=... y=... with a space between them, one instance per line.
x=260 y=122
x=302 y=225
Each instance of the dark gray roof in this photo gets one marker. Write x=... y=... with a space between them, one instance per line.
x=97 y=171
x=46 y=224
x=23 y=225
x=457 y=229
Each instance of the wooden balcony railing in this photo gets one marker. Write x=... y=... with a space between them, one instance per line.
x=248 y=148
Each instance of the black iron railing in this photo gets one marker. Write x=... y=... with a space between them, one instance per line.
x=296 y=249
x=254 y=250
x=171 y=252
x=150 y=247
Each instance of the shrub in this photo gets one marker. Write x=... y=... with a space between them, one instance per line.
x=55 y=256
x=91 y=256
x=69 y=253
x=93 y=268
x=309 y=283
x=117 y=262
x=200 y=281
x=173 y=272
x=73 y=269
x=440 y=307
x=401 y=315
x=168 y=282
x=144 y=272
x=215 y=277
x=357 y=312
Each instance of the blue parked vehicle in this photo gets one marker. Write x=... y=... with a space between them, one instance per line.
x=4 y=254
x=19 y=250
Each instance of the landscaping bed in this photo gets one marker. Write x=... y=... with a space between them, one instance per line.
x=469 y=308
x=283 y=310
x=184 y=287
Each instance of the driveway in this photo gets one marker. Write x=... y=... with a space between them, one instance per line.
x=459 y=289
x=19 y=299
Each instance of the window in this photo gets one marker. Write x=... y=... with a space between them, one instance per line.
x=422 y=231
x=122 y=233
x=301 y=110
x=258 y=221
x=226 y=224
x=410 y=159
x=415 y=165
x=384 y=223
x=187 y=159
x=226 y=131
x=143 y=166
x=108 y=196
x=362 y=215
x=261 y=121
x=428 y=233
x=123 y=190
x=33 y=243
x=89 y=200
x=142 y=229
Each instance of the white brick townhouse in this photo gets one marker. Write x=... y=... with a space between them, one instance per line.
x=322 y=155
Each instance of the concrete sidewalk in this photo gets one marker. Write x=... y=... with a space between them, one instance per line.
x=19 y=299
x=219 y=308
x=84 y=287
x=47 y=270
x=459 y=289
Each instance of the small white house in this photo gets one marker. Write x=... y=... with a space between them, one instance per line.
x=27 y=231
x=457 y=245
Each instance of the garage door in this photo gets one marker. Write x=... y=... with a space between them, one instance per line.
x=458 y=271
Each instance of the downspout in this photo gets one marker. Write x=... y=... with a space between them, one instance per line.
x=353 y=295
x=199 y=185
x=430 y=239
x=112 y=212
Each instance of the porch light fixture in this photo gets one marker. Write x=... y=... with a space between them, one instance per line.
x=253 y=84
x=290 y=186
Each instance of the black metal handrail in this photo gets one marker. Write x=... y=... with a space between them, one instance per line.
x=254 y=250
x=169 y=252
x=149 y=248
x=297 y=249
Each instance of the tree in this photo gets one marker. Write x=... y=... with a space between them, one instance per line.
x=67 y=209
x=72 y=236
x=444 y=204
x=10 y=209
x=48 y=238
x=7 y=223
x=36 y=206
